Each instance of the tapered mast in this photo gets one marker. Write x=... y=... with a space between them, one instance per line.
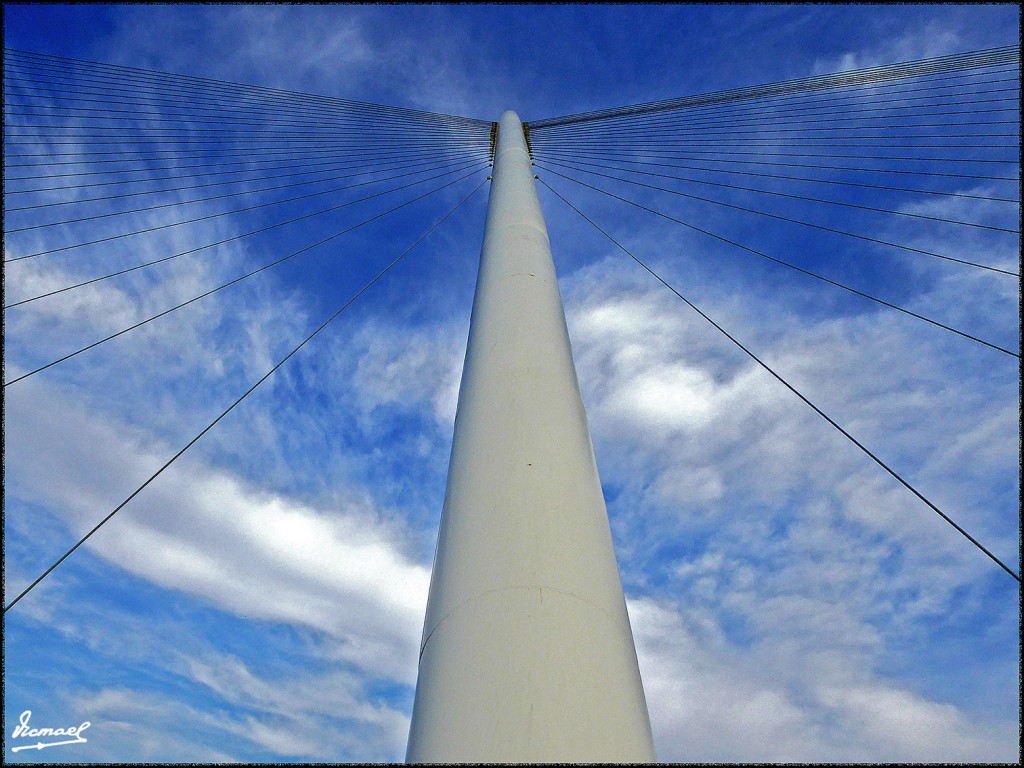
x=527 y=653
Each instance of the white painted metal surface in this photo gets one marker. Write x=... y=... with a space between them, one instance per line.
x=527 y=653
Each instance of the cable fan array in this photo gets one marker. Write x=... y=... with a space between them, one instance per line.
x=743 y=141
x=933 y=145
x=100 y=155
x=96 y=151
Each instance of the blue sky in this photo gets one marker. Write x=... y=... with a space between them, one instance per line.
x=263 y=599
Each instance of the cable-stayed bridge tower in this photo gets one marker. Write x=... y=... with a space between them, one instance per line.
x=527 y=653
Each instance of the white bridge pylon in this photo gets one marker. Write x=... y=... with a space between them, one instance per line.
x=527 y=653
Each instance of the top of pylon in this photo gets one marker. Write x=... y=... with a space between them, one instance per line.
x=511 y=117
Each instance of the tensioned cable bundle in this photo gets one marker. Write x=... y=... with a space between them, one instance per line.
x=239 y=400
x=113 y=172
x=71 y=113
x=762 y=150
x=907 y=167
x=95 y=151
x=994 y=59
x=99 y=156
x=360 y=152
x=952 y=117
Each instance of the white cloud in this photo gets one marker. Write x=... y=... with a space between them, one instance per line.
x=299 y=715
x=714 y=702
x=128 y=725
x=928 y=41
x=340 y=571
x=410 y=367
x=314 y=717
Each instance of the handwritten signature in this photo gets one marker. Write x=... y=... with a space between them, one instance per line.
x=24 y=731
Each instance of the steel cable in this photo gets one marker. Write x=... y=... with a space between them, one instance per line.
x=232 y=282
x=225 y=213
x=906 y=484
x=244 y=395
x=802 y=223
